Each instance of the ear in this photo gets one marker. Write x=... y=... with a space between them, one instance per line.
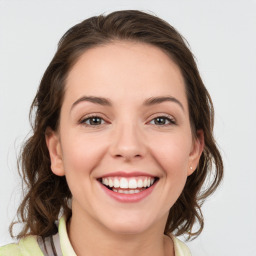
x=54 y=148
x=196 y=151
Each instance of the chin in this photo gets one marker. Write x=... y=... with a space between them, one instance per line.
x=129 y=225
x=128 y=228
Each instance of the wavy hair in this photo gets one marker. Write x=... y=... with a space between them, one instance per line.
x=46 y=195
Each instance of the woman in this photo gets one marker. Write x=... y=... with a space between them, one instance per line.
x=122 y=144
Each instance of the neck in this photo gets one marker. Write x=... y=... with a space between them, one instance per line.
x=88 y=237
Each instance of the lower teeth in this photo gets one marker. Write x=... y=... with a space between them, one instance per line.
x=130 y=191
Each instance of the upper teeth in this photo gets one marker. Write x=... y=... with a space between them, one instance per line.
x=122 y=182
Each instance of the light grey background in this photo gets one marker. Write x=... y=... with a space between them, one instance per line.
x=222 y=35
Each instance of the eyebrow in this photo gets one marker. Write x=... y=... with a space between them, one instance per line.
x=161 y=99
x=93 y=99
x=107 y=102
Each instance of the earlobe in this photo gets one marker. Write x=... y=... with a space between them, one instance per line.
x=196 y=152
x=54 y=148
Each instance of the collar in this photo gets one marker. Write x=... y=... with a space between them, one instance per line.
x=66 y=247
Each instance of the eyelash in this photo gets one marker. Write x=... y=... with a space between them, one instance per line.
x=168 y=118
x=165 y=118
x=90 y=118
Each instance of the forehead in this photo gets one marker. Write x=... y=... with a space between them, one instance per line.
x=123 y=69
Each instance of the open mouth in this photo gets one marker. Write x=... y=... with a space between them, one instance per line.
x=125 y=185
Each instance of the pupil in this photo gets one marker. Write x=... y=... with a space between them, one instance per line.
x=160 y=120
x=95 y=120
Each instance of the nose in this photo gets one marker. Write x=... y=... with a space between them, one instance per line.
x=128 y=142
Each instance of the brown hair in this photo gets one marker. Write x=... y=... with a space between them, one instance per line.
x=48 y=194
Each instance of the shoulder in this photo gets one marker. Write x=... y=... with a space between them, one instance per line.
x=180 y=248
x=27 y=246
x=10 y=249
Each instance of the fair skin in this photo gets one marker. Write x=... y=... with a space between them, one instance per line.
x=124 y=116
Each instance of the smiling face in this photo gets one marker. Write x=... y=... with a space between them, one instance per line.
x=124 y=141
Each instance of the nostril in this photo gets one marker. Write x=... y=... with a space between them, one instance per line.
x=127 y=156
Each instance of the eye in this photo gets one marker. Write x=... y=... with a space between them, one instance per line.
x=162 y=121
x=93 y=121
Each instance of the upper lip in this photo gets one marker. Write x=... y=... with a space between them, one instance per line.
x=126 y=174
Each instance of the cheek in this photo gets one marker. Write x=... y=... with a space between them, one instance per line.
x=80 y=154
x=80 y=157
x=172 y=154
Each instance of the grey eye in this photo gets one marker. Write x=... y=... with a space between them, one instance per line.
x=94 y=120
x=162 y=120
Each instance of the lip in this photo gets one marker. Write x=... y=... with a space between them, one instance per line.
x=128 y=198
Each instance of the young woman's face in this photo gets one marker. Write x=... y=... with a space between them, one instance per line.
x=124 y=142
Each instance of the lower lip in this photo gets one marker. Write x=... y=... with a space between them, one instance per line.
x=128 y=198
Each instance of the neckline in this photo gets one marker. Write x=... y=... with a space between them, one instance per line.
x=180 y=248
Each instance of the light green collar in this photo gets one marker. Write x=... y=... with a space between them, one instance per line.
x=66 y=247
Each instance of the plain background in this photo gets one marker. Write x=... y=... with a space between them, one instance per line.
x=222 y=36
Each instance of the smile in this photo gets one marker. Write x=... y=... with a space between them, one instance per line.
x=128 y=185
